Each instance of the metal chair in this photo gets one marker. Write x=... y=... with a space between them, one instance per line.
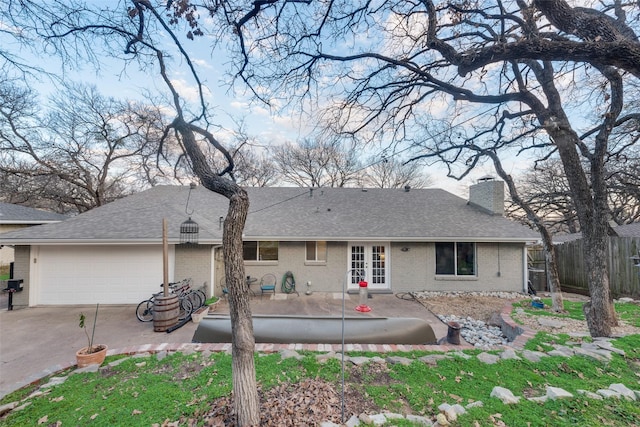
x=223 y=286
x=268 y=284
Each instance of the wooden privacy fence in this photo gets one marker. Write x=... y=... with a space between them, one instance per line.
x=624 y=276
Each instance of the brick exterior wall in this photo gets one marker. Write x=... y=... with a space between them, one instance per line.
x=488 y=195
x=194 y=262
x=499 y=268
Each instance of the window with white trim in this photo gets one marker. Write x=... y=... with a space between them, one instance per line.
x=316 y=251
x=456 y=258
x=260 y=251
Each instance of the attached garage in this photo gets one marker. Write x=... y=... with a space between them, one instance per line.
x=95 y=274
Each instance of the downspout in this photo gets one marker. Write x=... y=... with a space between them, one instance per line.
x=525 y=270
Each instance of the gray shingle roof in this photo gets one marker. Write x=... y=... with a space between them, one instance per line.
x=16 y=214
x=284 y=213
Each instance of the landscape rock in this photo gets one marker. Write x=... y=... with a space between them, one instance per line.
x=505 y=395
x=476 y=404
x=8 y=407
x=432 y=359
x=359 y=360
x=555 y=393
x=322 y=358
x=623 y=390
x=533 y=356
x=399 y=360
x=419 y=420
x=551 y=323
x=509 y=354
x=54 y=381
x=600 y=355
x=119 y=361
x=590 y=394
x=353 y=421
x=606 y=345
x=487 y=358
x=378 y=419
x=609 y=394
x=290 y=354
x=441 y=419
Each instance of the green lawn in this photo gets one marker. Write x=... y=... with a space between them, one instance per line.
x=630 y=313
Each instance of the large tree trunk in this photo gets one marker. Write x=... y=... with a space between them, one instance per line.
x=593 y=225
x=246 y=400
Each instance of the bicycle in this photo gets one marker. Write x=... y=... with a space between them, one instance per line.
x=186 y=298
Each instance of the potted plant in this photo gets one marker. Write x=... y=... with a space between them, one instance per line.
x=92 y=354
x=212 y=303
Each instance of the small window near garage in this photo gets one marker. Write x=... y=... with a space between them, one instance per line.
x=456 y=258
x=316 y=251
x=260 y=251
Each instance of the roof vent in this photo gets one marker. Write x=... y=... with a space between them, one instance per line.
x=407 y=188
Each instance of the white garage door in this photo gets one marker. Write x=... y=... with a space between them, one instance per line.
x=97 y=274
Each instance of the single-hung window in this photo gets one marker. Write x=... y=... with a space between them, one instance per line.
x=260 y=251
x=456 y=258
x=316 y=251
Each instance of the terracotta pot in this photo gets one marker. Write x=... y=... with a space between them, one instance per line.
x=83 y=359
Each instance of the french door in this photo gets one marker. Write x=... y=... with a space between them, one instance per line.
x=372 y=259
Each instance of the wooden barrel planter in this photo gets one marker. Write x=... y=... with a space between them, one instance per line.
x=165 y=312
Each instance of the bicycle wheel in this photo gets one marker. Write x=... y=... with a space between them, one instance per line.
x=144 y=311
x=202 y=295
x=196 y=299
x=185 y=309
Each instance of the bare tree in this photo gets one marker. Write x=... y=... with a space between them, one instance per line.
x=534 y=67
x=316 y=162
x=254 y=166
x=85 y=151
x=394 y=173
x=545 y=188
x=148 y=38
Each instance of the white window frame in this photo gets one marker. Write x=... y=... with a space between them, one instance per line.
x=257 y=254
x=315 y=261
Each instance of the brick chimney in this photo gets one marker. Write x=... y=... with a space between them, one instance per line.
x=488 y=194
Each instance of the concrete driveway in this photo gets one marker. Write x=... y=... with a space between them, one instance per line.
x=41 y=340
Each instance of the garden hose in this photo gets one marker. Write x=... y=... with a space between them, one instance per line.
x=288 y=283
